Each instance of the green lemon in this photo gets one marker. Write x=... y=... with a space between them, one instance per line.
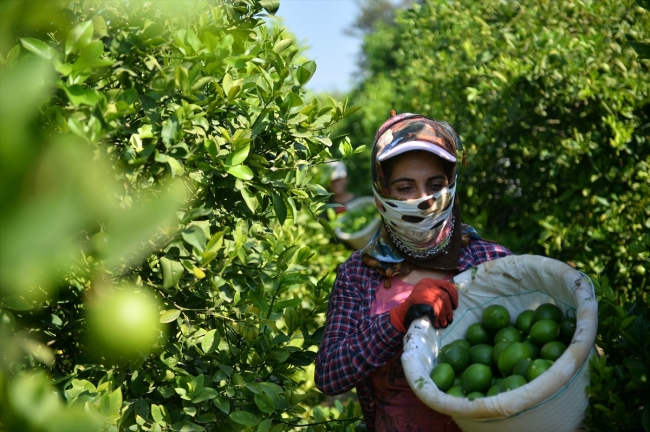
x=456 y=356
x=498 y=348
x=477 y=377
x=495 y=317
x=443 y=376
x=567 y=329
x=477 y=334
x=497 y=381
x=475 y=395
x=123 y=322
x=525 y=321
x=100 y=243
x=534 y=349
x=456 y=391
x=521 y=367
x=548 y=311
x=508 y=334
x=512 y=382
x=494 y=390
x=511 y=355
x=544 y=331
x=457 y=381
x=552 y=350
x=537 y=367
x=462 y=342
x=481 y=353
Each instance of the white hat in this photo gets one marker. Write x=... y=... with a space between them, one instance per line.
x=338 y=170
x=417 y=145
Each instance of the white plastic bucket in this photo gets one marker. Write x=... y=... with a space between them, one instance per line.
x=361 y=238
x=557 y=400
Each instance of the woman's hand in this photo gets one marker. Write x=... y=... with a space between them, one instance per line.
x=434 y=298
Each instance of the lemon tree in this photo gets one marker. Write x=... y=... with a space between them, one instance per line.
x=161 y=260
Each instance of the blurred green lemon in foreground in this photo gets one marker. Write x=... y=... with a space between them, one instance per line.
x=123 y=322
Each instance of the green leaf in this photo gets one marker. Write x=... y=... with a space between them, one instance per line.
x=265 y=425
x=240 y=171
x=259 y=300
x=271 y=6
x=17 y=303
x=39 y=48
x=216 y=242
x=326 y=226
x=305 y=72
x=110 y=405
x=244 y=418
x=210 y=341
x=207 y=393
x=222 y=403
x=159 y=414
x=351 y=110
x=82 y=96
x=100 y=27
x=13 y=54
x=186 y=426
x=302 y=358
x=169 y=316
x=170 y=131
x=280 y=208
x=287 y=304
x=645 y=4
x=84 y=63
x=172 y=272
x=264 y=403
x=182 y=79
x=643 y=49
x=194 y=235
x=79 y=37
x=281 y=45
x=249 y=199
x=141 y=408
x=175 y=166
x=239 y=156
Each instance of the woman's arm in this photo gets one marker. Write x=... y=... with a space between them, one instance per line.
x=354 y=344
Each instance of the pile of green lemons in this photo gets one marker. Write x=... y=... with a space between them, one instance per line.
x=355 y=220
x=497 y=355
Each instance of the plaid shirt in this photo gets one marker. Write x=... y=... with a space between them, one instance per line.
x=356 y=343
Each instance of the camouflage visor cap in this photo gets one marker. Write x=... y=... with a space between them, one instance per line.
x=406 y=132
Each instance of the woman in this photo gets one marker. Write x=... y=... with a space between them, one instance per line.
x=402 y=274
x=338 y=185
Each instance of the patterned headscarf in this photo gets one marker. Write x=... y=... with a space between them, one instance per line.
x=386 y=253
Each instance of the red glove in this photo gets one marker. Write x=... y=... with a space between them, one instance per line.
x=436 y=299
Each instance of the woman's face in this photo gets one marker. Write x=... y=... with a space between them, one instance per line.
x=415 y=174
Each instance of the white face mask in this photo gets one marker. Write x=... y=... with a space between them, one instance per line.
x=419 y=223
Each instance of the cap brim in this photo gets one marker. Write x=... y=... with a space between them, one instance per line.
x=417 y=145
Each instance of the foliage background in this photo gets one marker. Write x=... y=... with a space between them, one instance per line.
x=169 y=151
x=162 y=151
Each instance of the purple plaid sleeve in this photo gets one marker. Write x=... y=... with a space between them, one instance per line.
x=355 y=343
